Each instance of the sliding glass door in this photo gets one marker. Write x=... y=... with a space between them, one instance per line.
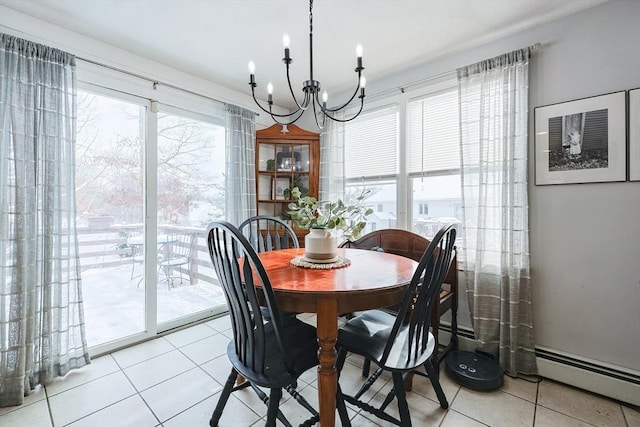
x=149 y=180
x=110 y=201
x=191 y=162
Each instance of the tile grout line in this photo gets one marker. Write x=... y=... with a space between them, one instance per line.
x=46 y=396
x=136 y=389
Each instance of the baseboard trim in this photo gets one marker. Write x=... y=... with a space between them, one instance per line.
x=614 y=388
x=588 y=375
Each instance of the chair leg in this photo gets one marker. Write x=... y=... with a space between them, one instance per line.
x=340 y=358
x=403 y=407
x=434 y=377
x=272 y=411
x=408 y=382
x=266 y=399
x=342 y=408
x=366 y=367
x=300 y=399
x=224 y=397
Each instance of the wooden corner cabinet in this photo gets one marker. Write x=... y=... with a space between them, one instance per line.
x=286 y=157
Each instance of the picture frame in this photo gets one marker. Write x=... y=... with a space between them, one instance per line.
x=581 y=141
x=288 y=160
x=278 y=187
x=634 y=134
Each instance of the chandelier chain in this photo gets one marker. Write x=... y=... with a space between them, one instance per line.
x=311 y=16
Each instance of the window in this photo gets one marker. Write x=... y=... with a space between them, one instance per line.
x=371 y=162
x=433 y=161
x=419 y=191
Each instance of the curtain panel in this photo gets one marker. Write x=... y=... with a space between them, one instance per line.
x=332 y=161
x=240 y=164
x=42 y=332
x=493 y=102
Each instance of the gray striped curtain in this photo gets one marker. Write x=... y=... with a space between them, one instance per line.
x=42 y=332
x=240 y=164
x=332 y=160
x=493 y=137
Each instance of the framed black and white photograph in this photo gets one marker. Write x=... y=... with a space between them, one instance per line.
x=581 y=141
x=288 y=160
x=279 y=186
x=634 y=134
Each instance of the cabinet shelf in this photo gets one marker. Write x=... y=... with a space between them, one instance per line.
x=282 y=173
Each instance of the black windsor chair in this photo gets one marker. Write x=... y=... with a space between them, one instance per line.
x=270 y=354
x=411 y=245
x=268 y=233
x=400 y=343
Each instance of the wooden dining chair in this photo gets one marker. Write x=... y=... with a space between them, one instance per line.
x=411 y=245
x=402 y=343
x=270 y=354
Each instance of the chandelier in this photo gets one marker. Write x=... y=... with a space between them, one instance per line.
x=311 y=88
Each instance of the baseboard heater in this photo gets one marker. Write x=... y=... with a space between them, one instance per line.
x=588 y=366
x=588 y=375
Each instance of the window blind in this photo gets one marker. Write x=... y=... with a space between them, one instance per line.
x=433 y=133
x=371 y=144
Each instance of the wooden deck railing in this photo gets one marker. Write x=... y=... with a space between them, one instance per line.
x=106 y=247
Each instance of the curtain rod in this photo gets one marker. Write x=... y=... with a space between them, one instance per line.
x=404 y=87
x=155 y=82
x=401 y=88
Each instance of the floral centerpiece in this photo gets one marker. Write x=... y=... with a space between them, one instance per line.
x=318 y=217
x=351 y=219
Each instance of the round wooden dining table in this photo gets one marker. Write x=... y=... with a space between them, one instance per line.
x=372 y=280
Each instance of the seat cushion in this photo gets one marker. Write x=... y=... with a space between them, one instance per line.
x=367 y=334
x=299 y=341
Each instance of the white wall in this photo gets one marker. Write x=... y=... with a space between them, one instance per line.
x=584 y=238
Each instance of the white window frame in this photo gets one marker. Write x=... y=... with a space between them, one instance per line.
x=401 y=98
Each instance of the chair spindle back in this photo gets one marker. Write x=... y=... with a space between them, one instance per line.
x=244 y=280
x=267 y=233
x=414 y=314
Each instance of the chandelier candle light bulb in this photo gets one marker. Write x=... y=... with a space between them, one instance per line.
x=310 y=88
x=286 y=41
x=270 y=93
x=252 y=72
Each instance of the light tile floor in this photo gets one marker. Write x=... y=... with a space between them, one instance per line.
x=175 y=381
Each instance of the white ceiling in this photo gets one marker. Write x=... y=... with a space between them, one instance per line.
x=215 y=39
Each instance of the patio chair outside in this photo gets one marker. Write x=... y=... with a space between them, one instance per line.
x=175 y=255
